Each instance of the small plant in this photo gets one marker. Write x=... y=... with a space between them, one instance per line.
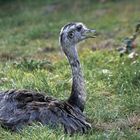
x=33 y=64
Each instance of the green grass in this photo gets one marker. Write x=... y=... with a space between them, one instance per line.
x=27 y=32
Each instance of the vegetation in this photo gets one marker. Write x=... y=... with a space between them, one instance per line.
x=31 y=58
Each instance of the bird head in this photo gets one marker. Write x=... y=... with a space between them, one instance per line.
x=73 y=33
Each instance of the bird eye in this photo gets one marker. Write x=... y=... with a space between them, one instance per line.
x=71 y=34
x=79 y=28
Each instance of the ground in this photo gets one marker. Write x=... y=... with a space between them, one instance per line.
x=31 y=58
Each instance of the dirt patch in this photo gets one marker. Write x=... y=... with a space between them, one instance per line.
x=48 y=50
x=6 y=56
x=132 y=121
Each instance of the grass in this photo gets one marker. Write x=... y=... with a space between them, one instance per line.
x=30 y=57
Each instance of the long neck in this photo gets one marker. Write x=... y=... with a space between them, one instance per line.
x=78 y=93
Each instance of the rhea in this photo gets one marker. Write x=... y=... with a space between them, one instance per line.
x=22 y=107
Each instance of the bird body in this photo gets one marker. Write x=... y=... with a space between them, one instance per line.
x=22 y=107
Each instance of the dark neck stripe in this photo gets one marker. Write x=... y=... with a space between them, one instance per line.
x=68 y=25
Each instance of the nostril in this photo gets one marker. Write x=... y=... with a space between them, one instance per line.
x=79 y=28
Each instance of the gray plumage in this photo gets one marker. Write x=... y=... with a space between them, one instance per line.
x=22 y=107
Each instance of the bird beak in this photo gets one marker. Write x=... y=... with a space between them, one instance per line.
x=90 y=33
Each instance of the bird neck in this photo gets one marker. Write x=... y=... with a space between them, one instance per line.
x=78 y=93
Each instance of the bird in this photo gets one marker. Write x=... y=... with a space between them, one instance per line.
x=20 y=107
x=130 y=44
